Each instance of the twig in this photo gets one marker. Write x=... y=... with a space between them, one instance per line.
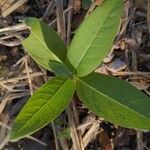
x=132 y=73
x=10 y=43
x=36 y=140
x=139 y=136
x=148 y=15
x=49 y=10
x=18 y=27
x=4 y=125
x=8 y=11
x=6 y=87
x=60 y=19
x=4 y=142
x=69 y=21
x=28 y=75
x=76 y=121
x=39 y=6
x=65 y=11
x=91 y=134
x=73 y=132
x=15 y=79
x=55 y=136
x=10 y=97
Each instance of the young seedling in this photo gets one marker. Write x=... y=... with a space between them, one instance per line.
x=113 y=99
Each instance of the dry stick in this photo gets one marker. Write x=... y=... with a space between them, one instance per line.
x=10 y=43
x=125 y=25
x=60 y=19
x=91 y=134
x=139 y=136
x=4 y=125
x=148 y=15
x=37 y=1
x=63 y=142
x=28 y=75
x=147 y=74
x=64 y=13
x=4 y=101
x=147 y=92
x=69 y=21
x=73 y=131
x=3 y=131
x=7 y=37
x=6 y=87
x=126 y=22
x=19 y=61
x=10 y=97
x=18 y=27
x=86 y=123
x=15 y=79
x=76 y=121
x=55 y=136
x=5 y=141
x=49 y=10
x=36 y=140
x=13 y=7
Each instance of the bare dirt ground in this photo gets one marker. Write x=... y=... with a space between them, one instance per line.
x=76 y=128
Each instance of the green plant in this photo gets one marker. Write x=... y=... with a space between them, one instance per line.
x=108 y=97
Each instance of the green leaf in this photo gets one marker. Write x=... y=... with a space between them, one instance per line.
x=95 y=37
x=86 y=4
x=45 y=46
x=115 y=100
x=43 y=107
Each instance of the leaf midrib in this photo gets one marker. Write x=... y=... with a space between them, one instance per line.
x=43 y=106
x=114 y=100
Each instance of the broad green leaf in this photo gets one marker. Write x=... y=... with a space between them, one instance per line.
x=115 y=100
x=45 y=46
x=95 y=37
x=43 y=107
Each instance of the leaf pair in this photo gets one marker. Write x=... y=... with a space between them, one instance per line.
x=108 y=97
x=89 y=47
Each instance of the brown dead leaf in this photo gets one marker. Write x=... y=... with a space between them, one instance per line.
x=105 y=141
